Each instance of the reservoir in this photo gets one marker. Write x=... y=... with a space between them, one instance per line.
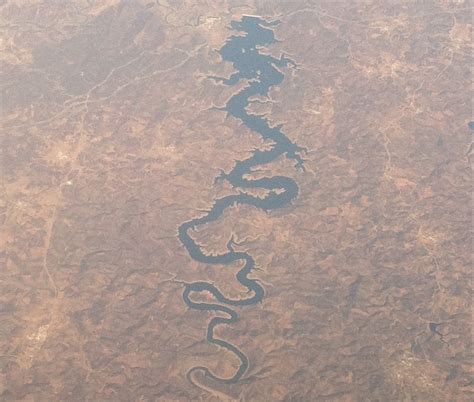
x=260 y=72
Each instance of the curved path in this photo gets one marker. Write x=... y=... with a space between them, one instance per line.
x=261 y=73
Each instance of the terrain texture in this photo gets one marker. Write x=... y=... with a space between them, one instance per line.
x=112 y=138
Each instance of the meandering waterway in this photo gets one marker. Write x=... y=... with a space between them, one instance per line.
x=261 y=72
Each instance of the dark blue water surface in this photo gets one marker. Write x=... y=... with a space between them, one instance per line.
x=261 y=73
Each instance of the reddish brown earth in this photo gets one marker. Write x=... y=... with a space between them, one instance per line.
x=110 y=142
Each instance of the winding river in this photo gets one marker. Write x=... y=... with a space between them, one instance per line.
x=260 y=72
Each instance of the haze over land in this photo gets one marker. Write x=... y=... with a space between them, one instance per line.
x=113 y=137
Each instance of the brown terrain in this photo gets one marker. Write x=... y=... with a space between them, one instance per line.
x=110 y=142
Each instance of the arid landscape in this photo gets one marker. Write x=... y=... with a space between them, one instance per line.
x=113 y=136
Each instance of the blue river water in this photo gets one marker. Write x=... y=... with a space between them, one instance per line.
x=260 y=73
